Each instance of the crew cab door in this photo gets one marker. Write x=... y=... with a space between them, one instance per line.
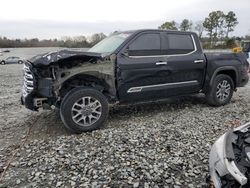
x=147 y=70
x=186 y=61
x=140 y=64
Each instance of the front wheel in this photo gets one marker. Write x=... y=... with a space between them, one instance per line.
x=84 y=109
x=2 y=62
x=20 y=62
x=221 y=90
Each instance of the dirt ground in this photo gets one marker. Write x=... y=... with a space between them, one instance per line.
x=20 y=127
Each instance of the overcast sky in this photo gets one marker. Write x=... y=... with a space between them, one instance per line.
x=57 y=18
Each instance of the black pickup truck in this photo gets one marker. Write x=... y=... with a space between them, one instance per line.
x=128 y=67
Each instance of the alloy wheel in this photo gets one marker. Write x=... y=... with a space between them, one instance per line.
x=86 y=111
x=223 y=90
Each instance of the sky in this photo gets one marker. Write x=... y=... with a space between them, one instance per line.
x=46 y=19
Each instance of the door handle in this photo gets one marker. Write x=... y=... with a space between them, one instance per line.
x=199 y=61
x=161 y=63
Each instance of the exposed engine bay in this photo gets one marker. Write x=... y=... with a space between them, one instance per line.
x=49 y=76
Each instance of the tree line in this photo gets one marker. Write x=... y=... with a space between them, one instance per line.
x=213 y=31
x=66 y=41
x=217 y=26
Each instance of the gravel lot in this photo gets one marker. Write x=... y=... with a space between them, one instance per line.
x=147 y=145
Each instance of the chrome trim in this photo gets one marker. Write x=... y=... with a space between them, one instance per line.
x=195 y=49
x=199 y=61
x=28 y=82
x=161 y=63
x=27 y=87
x=27 y=75
x=140 y=88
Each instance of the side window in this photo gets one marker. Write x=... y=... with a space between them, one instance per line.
x=179 y=44
x=146 y=45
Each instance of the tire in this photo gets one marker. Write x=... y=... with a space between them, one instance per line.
x=86 y=105
x=221 y=91
x=2 y=62
x=20 y=62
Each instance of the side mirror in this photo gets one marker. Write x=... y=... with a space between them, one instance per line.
x=125 y=52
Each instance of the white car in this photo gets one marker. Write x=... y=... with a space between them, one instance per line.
x=229 y=159
x=12 y=60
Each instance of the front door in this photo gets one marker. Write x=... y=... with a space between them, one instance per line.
x=141 y=68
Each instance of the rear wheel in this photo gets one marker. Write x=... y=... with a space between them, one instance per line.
x=20 y=62
x=84 y=109
x=221 y=90
x=2 y=62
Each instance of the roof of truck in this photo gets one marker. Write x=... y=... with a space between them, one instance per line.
x=159 y=30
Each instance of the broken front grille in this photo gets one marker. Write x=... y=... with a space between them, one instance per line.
x=28 y=83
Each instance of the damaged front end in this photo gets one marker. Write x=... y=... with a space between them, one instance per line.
x=44 y=75
x=229 y=160
x=37 y=87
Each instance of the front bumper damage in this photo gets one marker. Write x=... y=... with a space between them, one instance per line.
x=29 y=85
x=35 y=93
x=229 y=160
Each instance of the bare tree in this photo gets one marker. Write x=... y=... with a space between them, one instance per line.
x=97 y=37
x=199 y=28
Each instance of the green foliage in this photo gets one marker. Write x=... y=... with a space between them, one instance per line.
x=218 y=25
x=230 y=43
x=213 y=24
x=186 y=25
x=230 y=22
x=169 y=25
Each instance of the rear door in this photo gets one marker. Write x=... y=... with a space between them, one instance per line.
x=186 y=62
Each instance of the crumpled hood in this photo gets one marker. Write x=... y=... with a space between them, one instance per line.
x=52 y=57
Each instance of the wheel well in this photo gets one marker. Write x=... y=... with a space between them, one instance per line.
x=84 y=80
x=230 y=73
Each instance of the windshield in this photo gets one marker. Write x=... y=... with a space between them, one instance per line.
x=110 y=44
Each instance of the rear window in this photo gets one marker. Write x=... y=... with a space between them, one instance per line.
x=179 y=44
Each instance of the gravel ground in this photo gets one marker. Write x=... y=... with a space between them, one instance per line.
x=159 y=144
